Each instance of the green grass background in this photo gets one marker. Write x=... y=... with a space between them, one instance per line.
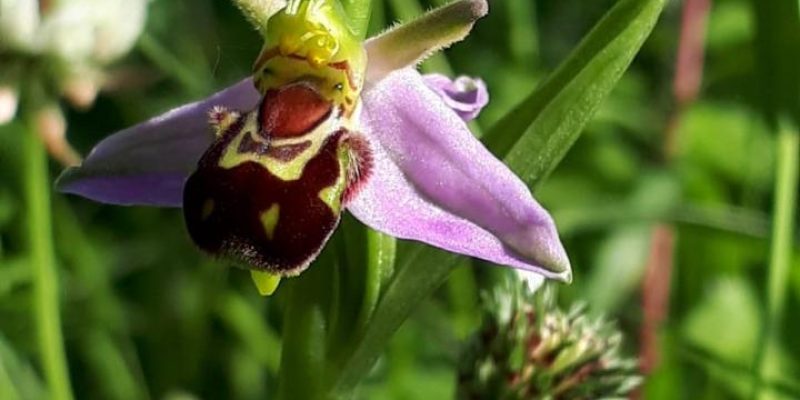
x=145 y=315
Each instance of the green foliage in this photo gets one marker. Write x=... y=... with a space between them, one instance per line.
x=145 y=315
x=552 y=117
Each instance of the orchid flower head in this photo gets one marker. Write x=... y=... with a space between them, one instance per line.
x=328 y=124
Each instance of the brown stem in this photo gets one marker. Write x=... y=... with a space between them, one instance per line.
x=656 y=285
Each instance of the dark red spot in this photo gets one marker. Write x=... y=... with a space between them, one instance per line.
x=248 y=145
x=292 y=110
x=288 y=152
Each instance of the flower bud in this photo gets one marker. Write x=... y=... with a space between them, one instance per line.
x=81 y=89
x=527 y=349
x=52 y=129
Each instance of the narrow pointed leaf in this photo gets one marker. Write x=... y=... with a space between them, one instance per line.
x=569 y=97
x=536 y=135
x=420 y=272
x=777 y=44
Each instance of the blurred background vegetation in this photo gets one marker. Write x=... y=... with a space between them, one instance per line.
x=664 y=205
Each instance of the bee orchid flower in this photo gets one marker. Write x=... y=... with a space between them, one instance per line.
x=406 y=164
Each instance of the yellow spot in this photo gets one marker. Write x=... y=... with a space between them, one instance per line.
x=265 y=282
x=332 y=197
x=208 y=208
x=269 y=219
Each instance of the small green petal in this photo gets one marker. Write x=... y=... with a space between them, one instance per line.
x=265 y=282
x=410 y=43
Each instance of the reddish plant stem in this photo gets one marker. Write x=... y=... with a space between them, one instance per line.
x=656 y=285
x=656 y=288
x=689 y=63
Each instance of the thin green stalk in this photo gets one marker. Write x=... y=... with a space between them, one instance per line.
x=45 y=275
x=381 y=254
x=302 y=370
x=105 y=343
x=788 y=151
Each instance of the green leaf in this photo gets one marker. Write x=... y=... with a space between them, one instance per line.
x=536 y=134
x=555 y=113
x=422 y=271
x=777 y=45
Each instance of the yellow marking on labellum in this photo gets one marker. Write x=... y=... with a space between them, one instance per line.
x=290 y=171
x=269 y=219
x=265 y=282
x=332 y=195
x=208 y=208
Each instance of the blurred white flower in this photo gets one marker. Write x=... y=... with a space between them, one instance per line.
x=64 y=44
x=19 y=22
x=73 y=39
x=8 y=103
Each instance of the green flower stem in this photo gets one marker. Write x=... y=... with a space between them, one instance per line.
x=786 y=185
x=106 y=343
x=381 y=252
x=303 y=359
x=45 y=275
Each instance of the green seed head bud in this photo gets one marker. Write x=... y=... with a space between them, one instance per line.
x=527 y=350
